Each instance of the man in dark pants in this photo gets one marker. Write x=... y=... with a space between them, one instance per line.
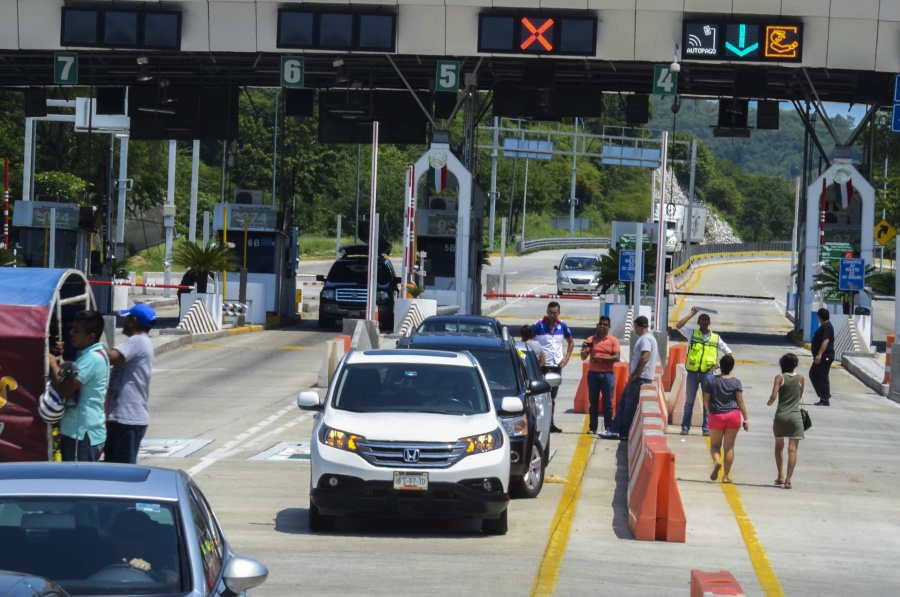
x=823 y=356
x=644 y=357
x=552 y=334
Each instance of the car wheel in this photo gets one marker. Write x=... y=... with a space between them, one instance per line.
x=495 y=526
x=559 y=290
x=529 y=485
x=326 y=322
x=318 y=522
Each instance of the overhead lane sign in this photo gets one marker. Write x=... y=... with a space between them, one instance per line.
x=537 y=33
x=742 y=41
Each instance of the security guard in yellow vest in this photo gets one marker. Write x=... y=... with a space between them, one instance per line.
x=702 y=361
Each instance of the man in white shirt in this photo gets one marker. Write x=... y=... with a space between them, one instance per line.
x=644 y=357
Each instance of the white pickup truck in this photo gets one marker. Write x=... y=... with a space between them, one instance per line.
x=677 y=233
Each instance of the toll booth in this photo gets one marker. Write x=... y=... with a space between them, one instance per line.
x=53 y=234
x=444 y=229
x=840 y=208
x=266 y=252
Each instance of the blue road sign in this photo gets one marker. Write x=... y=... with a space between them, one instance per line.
x=897 y=89
x=853 y=274
x=627 y=263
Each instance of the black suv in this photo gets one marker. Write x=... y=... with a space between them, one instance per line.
x=506 y=376
x=344 y=293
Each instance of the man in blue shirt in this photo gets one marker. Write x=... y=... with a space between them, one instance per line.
x=83 y=426
x=551 y=332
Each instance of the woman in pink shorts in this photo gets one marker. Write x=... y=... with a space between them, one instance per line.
x=723 y=397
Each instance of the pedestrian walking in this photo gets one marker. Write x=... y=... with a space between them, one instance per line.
x=552 y=333
x=129 y=388
x=823 y=357
x=788 y=423
x=724 y=400
x=702 y=361
x=644 y=357
x=602 y=350
x=81 y=430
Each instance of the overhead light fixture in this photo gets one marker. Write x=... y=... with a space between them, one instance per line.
x=338 y=63
x=144 y=75
x=341 y=78
x=122 y=135
x=142 y=60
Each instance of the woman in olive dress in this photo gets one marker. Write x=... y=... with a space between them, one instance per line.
x=788 y=424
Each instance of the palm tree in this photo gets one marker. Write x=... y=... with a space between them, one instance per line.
x=609 y=270
x=7 y=259
x=829 y=278
x=204 y=260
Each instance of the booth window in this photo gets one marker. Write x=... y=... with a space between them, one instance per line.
x=376 y=32
x=162 y=30
x=336 y=31
x=371 y=32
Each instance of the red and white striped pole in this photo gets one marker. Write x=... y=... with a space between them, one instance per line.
x=887 y=359
x=822 y=217
x=6 y=206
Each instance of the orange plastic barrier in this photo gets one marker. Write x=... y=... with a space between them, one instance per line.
x=620 y=371
x=655 y=510
x=714 y=583
x=677 y=356
x=582 y=404
x=347 y=341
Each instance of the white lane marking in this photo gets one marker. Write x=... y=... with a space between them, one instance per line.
x=188 y=370
x=275 y=431
x=230 y=449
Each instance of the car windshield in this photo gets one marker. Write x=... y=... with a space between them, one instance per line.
x=408 y=387
x=354 y=271
x=93 y=546
x=462 y=327
x=578 y=263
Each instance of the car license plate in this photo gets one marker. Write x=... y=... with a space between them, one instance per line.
x=356 y=314
x=413 y=481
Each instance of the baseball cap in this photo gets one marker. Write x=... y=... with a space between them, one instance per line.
x=641 y=321
x=144 y=314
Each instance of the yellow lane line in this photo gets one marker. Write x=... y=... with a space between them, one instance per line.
x=768 y=581
x=548 y=572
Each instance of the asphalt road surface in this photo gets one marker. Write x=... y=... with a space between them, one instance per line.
x=225 y=412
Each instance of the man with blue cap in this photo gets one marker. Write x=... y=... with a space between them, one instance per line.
x=127 y=414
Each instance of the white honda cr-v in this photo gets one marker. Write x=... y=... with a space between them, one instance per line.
x=408 y=433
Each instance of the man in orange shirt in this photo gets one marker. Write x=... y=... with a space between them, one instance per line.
x=603 y=351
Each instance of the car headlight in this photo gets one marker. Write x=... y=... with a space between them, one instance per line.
x=341 y=440
x=327 y=294
x=485 y=442
x=595 y=279
x=515 y=426
x=381 y=296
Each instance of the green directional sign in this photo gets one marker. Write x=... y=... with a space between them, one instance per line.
x=293 y=71
x=65 y=68
x=628 y=241
x=447 y=76
x=665 y=82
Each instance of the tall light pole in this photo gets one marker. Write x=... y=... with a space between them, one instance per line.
x=572 y=193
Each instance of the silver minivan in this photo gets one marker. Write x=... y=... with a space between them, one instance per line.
x=578 y=272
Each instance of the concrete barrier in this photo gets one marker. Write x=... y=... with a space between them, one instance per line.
x=714 y=583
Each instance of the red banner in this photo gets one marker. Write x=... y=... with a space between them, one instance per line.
x=23 y=434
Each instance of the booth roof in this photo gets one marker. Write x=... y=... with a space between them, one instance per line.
x=31 y=286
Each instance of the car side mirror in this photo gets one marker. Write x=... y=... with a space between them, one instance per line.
x=310 y=400
x=320 y=277
x=554 y=379
x=556 y=267
x=538 y=386
x=396 y=280
x=241 y=574
x=511 y=405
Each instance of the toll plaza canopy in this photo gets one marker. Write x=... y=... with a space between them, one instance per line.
x=838 y=50
x=33 y=302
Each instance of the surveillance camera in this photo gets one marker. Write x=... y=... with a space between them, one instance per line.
x=675 y=67
x=338 y=63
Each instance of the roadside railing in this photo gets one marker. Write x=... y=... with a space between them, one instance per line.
x=685 y=256
x=561 y=243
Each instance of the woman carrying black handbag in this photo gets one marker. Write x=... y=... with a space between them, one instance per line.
x=788 y=390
